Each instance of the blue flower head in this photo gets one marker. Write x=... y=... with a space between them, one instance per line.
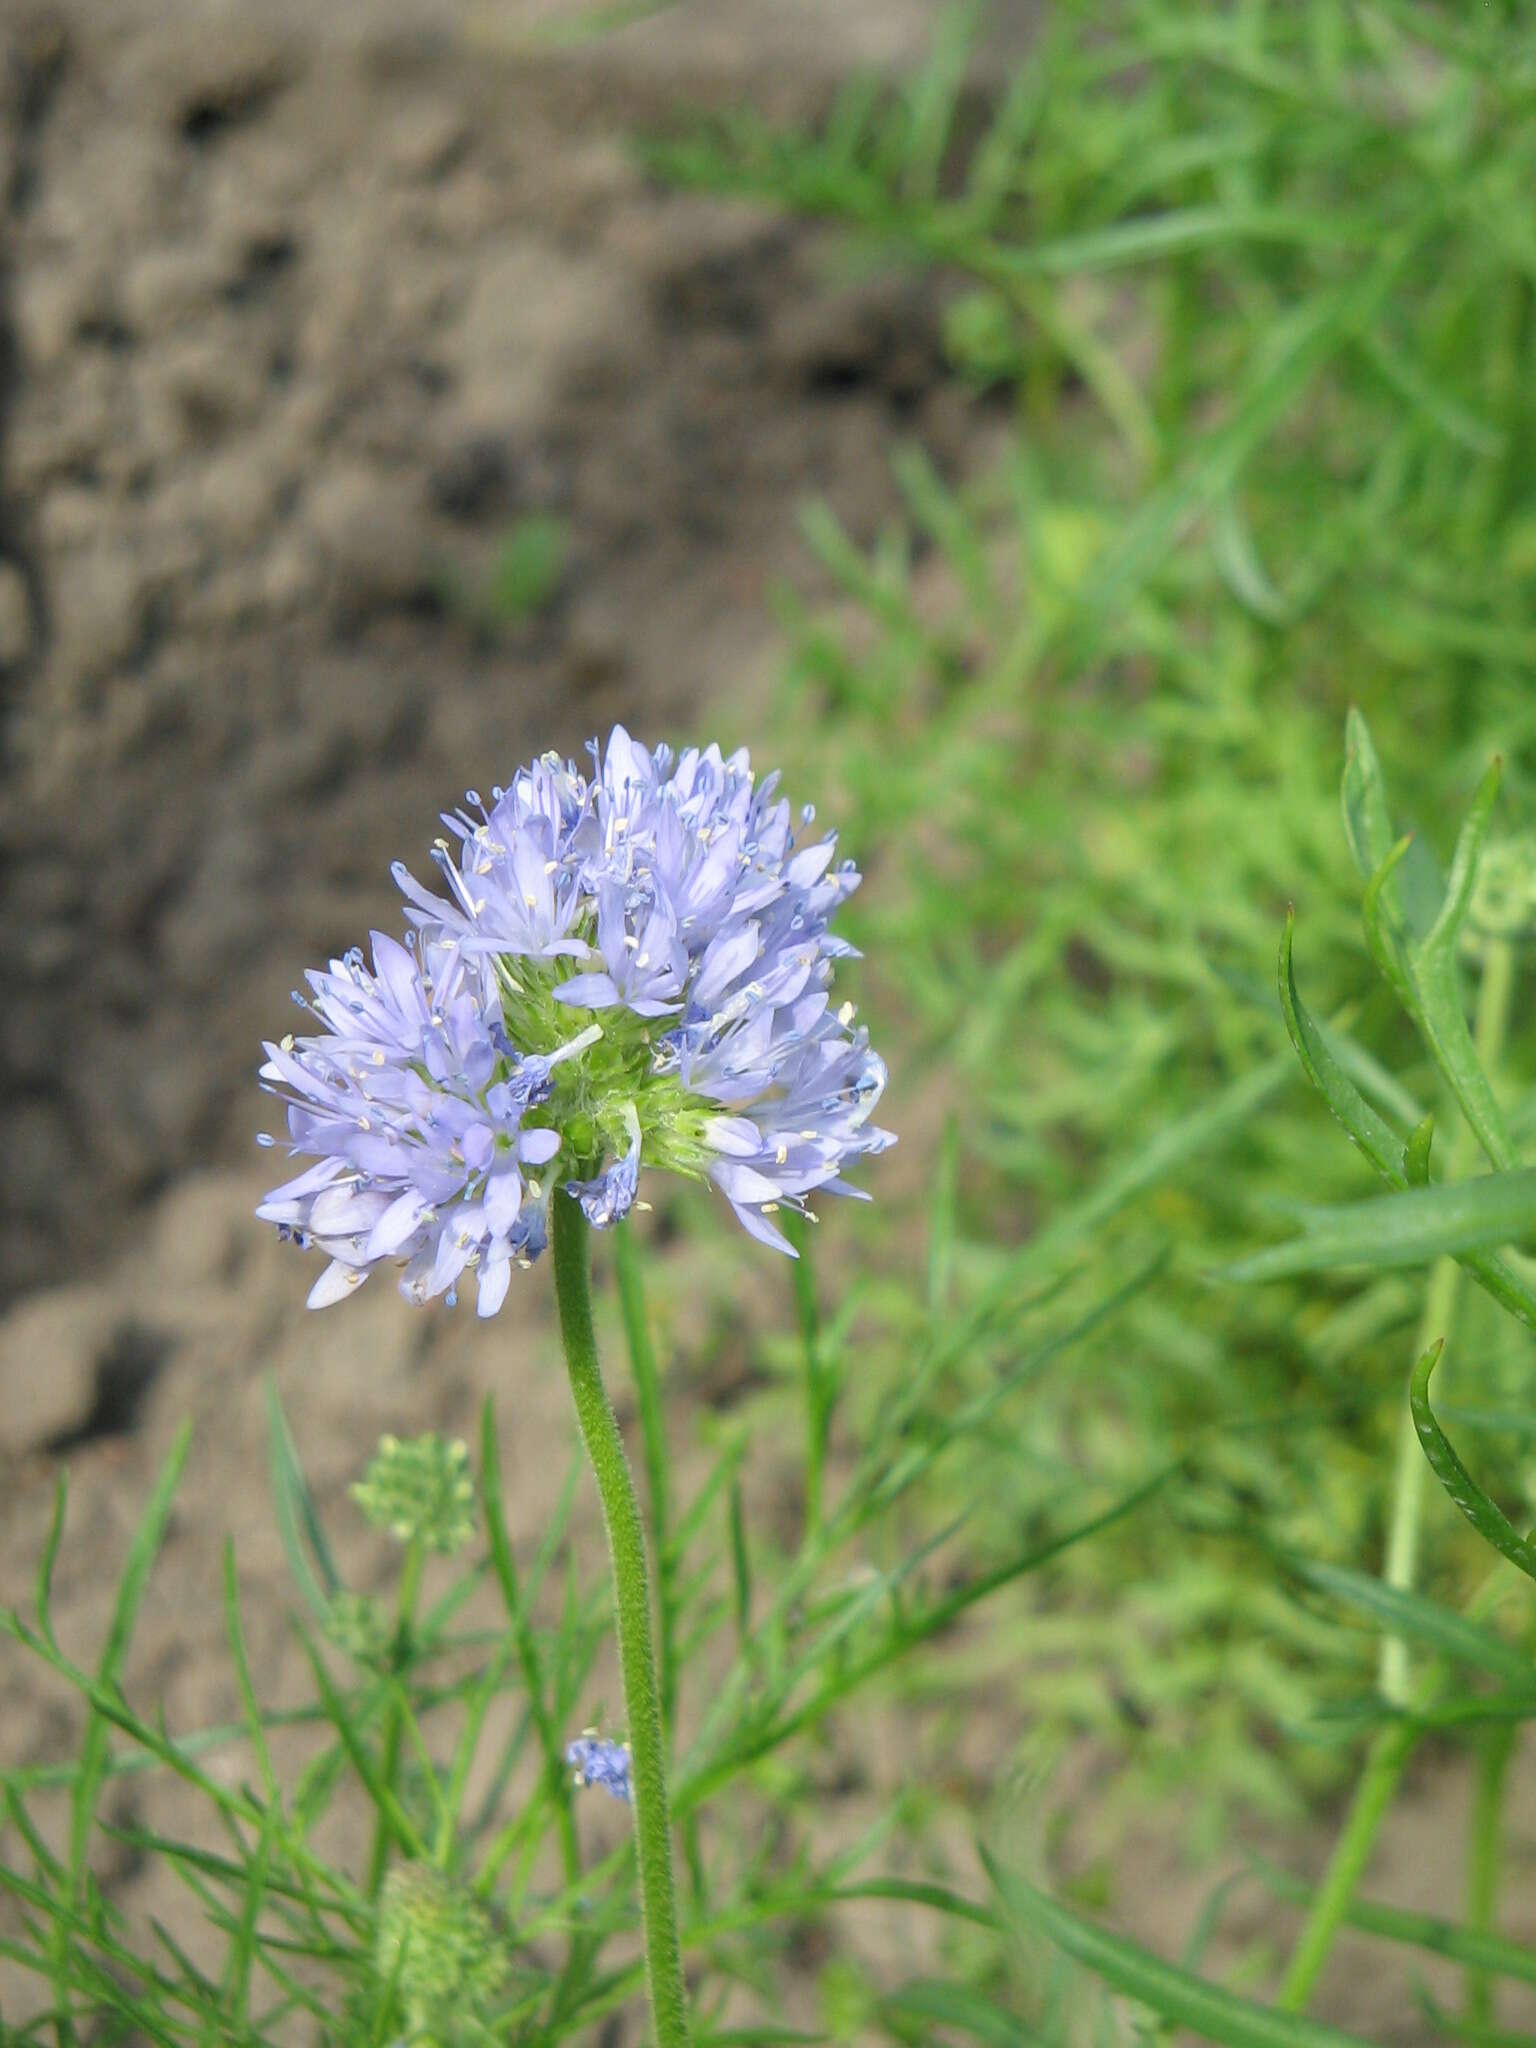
x=596 y=1762
x=628 y=967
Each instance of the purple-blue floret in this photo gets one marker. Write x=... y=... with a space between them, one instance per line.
x=596 y=1762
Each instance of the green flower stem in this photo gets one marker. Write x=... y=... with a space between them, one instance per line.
x=1485 y=1860
x=818 y=1395
x=405 y=1612
x=653 y=1436
x=1384 y=1767
x=642 y=1361
x=632 y=1600
x=1388 y=1755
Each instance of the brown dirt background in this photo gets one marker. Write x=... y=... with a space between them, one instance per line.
x=293 y=323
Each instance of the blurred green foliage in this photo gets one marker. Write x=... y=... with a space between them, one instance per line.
x=1256 y=283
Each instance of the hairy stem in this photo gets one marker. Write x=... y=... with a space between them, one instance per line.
x=642 y=1361
x=632 y=1602
x=818 y=1395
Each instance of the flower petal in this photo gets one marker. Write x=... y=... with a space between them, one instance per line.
x=335 y=1284
x=588 y=992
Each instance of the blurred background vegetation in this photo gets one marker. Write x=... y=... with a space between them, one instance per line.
x=1257 y=285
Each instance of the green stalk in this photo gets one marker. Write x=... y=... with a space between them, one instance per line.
x=1412 y=1472
x=1439 y=1311
x=405 y=1612
x=642 y=1361
x=1389 y=1752
x=1384 y=1766
x=1485 y=1859
x=632 y=1602
x=818 y=1399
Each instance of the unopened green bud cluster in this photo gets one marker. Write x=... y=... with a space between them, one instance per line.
x=440 y=1950
x=356 y=1623
x=1503 y=904
x=421 y=1492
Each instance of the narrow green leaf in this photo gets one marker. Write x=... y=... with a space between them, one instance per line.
x=1174 y=1994
x=243 y=1938
x=1418 y=890
x=516 y=1602
x=934 y=100
x=1237 y=558
x=142 y=1553
x=1404 y=1229
x=1371 y=1132
x=1439 y=1011
x=1384 y=928
x=1486 y=1517
x=1366 y=1127
x=741 y=1564
x=393 y=1814
x=1416 y=1153
x=936 y=2003
x=1367 y=816
x=297 y=1521
x=253 y=1720
x=1274 y=385
x=46 y=1563
x=947 y=523
x=1409 y=1614
x=1442 y=408
x=942 y=1218
x=1424 y=1931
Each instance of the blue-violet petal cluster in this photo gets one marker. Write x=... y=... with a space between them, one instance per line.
x=626 y=968
x=596 y=1762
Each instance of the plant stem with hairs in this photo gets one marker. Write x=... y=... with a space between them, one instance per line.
x=632 y=1602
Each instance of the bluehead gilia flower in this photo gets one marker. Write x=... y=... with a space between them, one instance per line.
x=596 y=1762
x=628 y=968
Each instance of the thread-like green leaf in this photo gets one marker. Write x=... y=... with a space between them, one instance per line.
x=1172 y=1993
x=1410 y=1614
x=44 y=1583
x=1365 y=1125
x=1398 y=1164
x=1485 y=1515
x=937 y=2004
x=1418 y=888
x=1424 y=1931
x=142 y=1553
x=1416 y=1153
x=298 y=1524
x=1403 y=1230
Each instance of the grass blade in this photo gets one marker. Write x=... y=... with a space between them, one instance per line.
x=1172 y=1993
x=1407 y=1229
x=298 y=1523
